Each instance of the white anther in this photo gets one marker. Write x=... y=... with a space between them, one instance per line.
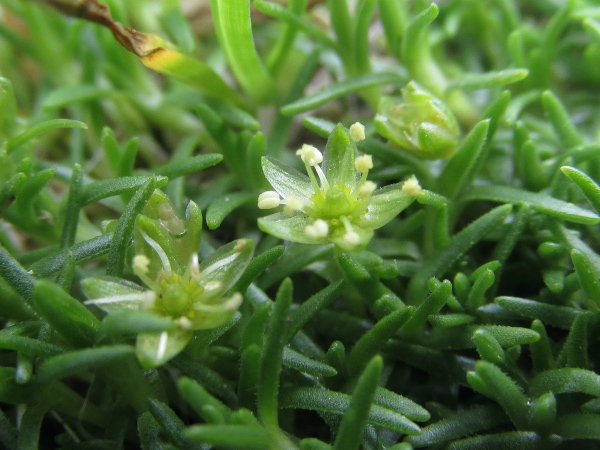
x=269 y=200
x=234 y=302
x=184 y=323
x=240 y=245
x=363 y=163
x=351 y=239
x=319 y=229
x=165 y=212
x=357 y=132
x=310 y=155
x=195 y=267
x=293 y=204
x=212 y=286
x=140 y=264
x=366 y=189
x=411 y=186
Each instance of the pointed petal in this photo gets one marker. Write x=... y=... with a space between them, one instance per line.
x=385 y=204
x=288 y=228
x=287 y=180
x=155 y=349
x=338 y=160
x=226 y=265
x=213 y=316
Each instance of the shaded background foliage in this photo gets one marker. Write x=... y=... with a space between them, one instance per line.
x=470 y=321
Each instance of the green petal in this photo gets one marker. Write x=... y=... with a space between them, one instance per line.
x=288 y=228
x=210 y=316
x=287 y=180
x=338 y=159
x=155 y=349
x=124 y=294
x=385 y=204
x=227 y=264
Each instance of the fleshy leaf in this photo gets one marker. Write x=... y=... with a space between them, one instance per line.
x=154 y=349
x=286 y=180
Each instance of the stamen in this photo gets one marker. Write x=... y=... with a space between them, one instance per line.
x=319 y=229
x=351 y=238
x=269 y=200
x=322 y=177
x=194 y=267
x=293 y=204
x=140 y=264
x=234 y=302
x=184 y=323
x=411 y=186
x=212 y=286
x=310 y=155
x=366 y=189
x=164 y=259
x=357 y=132
x=363 y=163
x=162 y=345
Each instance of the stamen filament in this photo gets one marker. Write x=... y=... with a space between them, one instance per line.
x=323 y=178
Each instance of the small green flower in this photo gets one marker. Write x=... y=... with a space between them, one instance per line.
x=335 y=203
x=418 y=122
x=192 y=294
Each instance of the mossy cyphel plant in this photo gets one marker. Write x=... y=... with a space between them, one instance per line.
x=299 y=224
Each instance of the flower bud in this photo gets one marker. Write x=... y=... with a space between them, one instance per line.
x=418 y=122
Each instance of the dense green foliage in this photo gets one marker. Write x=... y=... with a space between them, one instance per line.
x=461 y=311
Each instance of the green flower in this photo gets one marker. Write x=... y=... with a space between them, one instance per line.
x=418 y=122
x=177 y=285
x=335 y=203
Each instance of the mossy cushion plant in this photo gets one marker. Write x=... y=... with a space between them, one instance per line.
x=299 y=224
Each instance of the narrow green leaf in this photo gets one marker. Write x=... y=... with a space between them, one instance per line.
x=401 y=405
x=232 y=436
x=555 y=315
x=458 y=246
x=373 y=340
x=362 y=50
x=301 y=363
x=589 y=187
x=257 y=266
x=523 y=440
x=316 y=399
x=82 y=251
x=574 y=352
x=566 y=380
x=431 y=305
x=508 y=393
x=321 y=127
x=8 y=432
x=77 y=361
x=223 y=206
x=450 y=320
x=587 y=274
x=487 y=80
x=59 y=98
x=464 y=423
x=578 y=426
x=234 y=30
x=275 y=341
x=148 y=432
x=340 y=89
x=30 y=427
x=64 y=314
x=128 y=322
x=42 y=128
x=462 y=337
x=201 y=401
x=124 y=231
x=561 y=120
x=539 y=202
x=21 y=281
x=188 y=166
x=354 y=421
x=171 y=424
x=74 y=205
x=310 y=307
x=285 y=15
x=541 y=353
x=459 y=169
x=99 y=190
x=27 y=345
